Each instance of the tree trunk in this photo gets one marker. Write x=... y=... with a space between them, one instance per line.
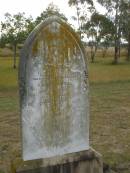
x=116 y=53
x=119 y=39
x=93 y=54
x=104 y=52
x=119 y=51
x=14 y=58
x=128 y=56
x=116 y=37
x=117 y=48
x=92 y=57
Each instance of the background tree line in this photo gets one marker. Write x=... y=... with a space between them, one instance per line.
x=16 y=28
x=110 y=29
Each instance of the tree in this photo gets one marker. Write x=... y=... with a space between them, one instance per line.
x=50 y=11
x=3 y=40
x=82 y=9
x=115 y=12
x=98 y=29
x=106 y=43
x=15 y=29
x=125 y=25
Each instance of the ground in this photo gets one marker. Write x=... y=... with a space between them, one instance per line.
x=109 y=113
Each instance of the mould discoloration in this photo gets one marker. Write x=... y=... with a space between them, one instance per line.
x=55 y=115
x=88 y=161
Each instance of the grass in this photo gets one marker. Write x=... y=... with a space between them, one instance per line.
x=110 y=111
x=103 y=71
x=110 y=119
x=109 y=108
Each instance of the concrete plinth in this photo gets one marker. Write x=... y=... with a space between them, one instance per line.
x=88 y=161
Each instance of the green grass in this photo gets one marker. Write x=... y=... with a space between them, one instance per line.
x=109 y=108
x=8 y=85
x=110 y=120
x=103 y=71
x=8 y=76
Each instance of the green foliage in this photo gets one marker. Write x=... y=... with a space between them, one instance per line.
x=126 y=26
x=83 y=7
x=51 y=10
x=3 y=40
x=118 y=11
x=16 y=27
x=125 y=20
x=98 y=28
x=74 y=2
x=112 y=27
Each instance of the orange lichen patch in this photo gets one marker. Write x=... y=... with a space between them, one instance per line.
x=34 y=48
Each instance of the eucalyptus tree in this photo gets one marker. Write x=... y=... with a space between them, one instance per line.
x=106 y=43
x=83 y=7
x=125 y=25
x=15 y=29
x=98 y=28
x=114 y=11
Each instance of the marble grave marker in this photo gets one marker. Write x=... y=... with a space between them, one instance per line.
x=53 y=82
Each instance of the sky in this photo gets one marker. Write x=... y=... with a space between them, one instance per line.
x=35 y=7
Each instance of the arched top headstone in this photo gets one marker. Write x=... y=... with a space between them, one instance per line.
x=53 y=92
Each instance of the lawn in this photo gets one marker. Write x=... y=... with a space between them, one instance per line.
x=109 y=113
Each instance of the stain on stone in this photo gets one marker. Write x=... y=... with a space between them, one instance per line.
x=60 y=50
x=55 y=111
x=35 y=48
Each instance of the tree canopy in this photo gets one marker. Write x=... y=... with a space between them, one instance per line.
x=15 y=29
x=113 y=27
x=50 y=11
x=118 y=11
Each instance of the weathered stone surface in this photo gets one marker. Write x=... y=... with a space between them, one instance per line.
x=54 y=92
x=82 y=162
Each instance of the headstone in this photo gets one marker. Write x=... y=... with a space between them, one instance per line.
x=54 y=92
x=54 y=102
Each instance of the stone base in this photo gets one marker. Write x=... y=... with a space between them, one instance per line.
x=82 y=162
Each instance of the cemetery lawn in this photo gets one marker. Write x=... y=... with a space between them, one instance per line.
x=109 y=108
